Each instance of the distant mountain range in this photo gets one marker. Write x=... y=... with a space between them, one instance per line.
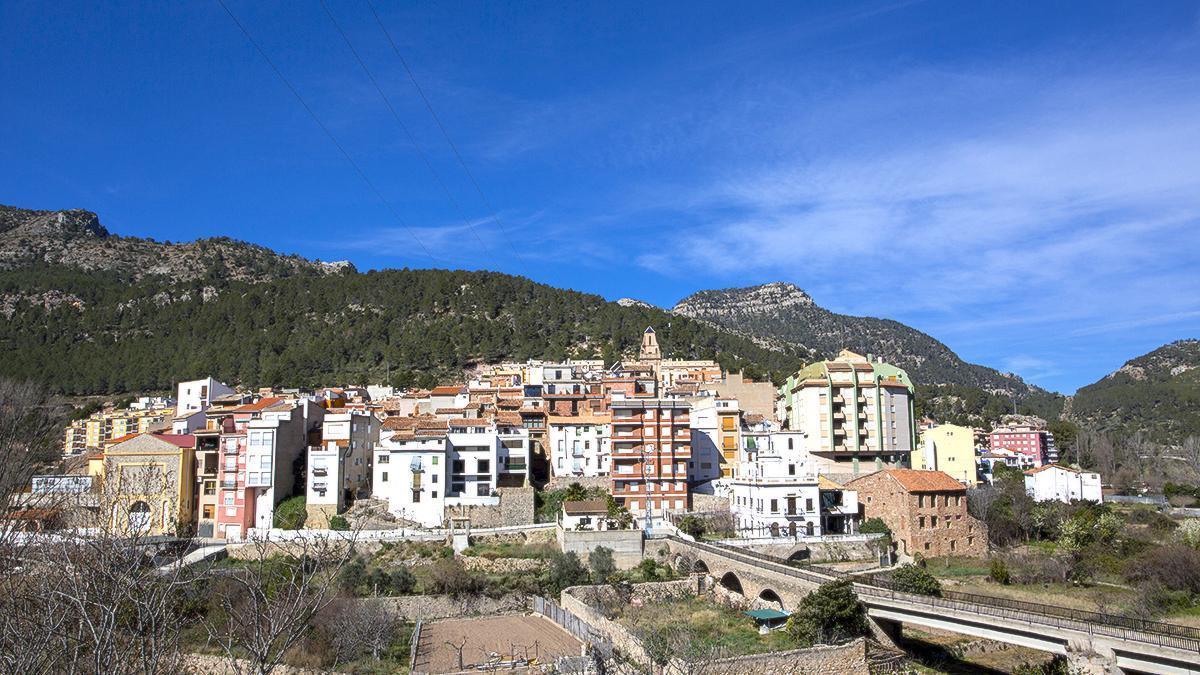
x=780 y=314
x=88 y=312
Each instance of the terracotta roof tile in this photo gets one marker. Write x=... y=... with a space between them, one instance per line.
x=260 y=405
x=915 y=480
x=586 y=507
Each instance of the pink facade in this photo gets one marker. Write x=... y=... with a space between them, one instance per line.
x=1028 y=442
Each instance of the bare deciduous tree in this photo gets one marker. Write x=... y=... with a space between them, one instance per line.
x=268 y=606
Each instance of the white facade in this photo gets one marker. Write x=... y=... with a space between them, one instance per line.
x=197 y=394
x=579 y=446
x=339 y=468
x=705 y=464
x=274 y=443
x=1059 y=483
x=420 y=476
x=776 y=492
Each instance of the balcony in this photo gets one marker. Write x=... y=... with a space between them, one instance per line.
x=229 y=482
x=320 y=471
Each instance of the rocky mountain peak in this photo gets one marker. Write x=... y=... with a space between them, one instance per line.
x=764 y=298
x=71 y=222
x=634 y=302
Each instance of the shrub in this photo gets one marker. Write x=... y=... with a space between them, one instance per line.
x=999 y=572
x=402 y=581
x=692 y=526
x=352 y=576
x=291 y=513
x=913 y=579
x=566 y=571
x=1172 y=566
x=1188 y=533
x=449 y=577
x=339 y=523
x=831 y=614
x=601 y=562
x=875 y=526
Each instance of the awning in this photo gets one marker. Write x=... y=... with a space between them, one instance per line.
x=767 y=615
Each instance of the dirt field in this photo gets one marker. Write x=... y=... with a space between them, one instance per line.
x=490 y=639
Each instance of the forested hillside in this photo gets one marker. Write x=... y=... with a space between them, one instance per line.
x=1156 y=395
x=91 y=312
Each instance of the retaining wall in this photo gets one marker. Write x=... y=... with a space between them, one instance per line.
x=626 y=545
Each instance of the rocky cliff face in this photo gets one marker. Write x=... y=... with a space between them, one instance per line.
x=782 y=313
x=75 y=238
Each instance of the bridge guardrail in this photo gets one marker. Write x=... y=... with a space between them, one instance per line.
x=1128 y=628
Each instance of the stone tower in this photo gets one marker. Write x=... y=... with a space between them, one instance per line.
x=650 y=350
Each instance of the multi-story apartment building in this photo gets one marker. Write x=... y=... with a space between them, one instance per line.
x=855 y=412
x=716 y=438
x=651 y=447
x=925 y=510
x=948 y=448
x=109 y=426
x=1026 y=435
x=339 y=467
x=424 y=467
x=776 y=490
x=579 y=445
x=262 y=452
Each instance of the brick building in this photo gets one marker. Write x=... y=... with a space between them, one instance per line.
x=926 y=511
x=651 y=446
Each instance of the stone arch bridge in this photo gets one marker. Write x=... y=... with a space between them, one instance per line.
x=1092 y=642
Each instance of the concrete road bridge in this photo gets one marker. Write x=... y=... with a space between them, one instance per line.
x=1091 y=641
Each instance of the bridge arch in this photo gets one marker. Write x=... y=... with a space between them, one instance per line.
x=799 y=554
x=700 y=566
x=770 y=596
x=731 y=582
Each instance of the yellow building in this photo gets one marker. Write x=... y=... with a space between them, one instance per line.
x=728 y=430
x=948 y=448
x=149 y=484
x=108 y=426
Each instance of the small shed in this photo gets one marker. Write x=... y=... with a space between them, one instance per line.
x=768 y=619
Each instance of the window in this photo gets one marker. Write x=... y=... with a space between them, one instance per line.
x=458 y=466
x=774 y=506
x=483 y=465
x=791 y=444
x=791 y=469
x=416 y=496
x=808 y=504
x=926 y=546
x=483 y=489
x=384 y=478
x=920 y=521
x=933 y=521
x=434 y=494
x=228 y=499
x=384 y=459
x=210 y=487
x=952 y=544
x=920 y=501
x=435 y=461
x=264 y=462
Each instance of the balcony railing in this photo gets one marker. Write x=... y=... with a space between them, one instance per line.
x=320 y=471
x=229 y=482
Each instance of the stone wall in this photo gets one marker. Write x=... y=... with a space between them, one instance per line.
x=560 y=482
x=594 y=604
x=626 y=545
x=515 y=508
x=432 y=607
x=933 y=524
x=319 y=515
x=848 y=658
x=702 y=503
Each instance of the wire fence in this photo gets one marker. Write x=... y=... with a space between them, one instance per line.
x=572 y=624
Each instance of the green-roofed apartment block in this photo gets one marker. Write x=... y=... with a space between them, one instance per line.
x=855 y=412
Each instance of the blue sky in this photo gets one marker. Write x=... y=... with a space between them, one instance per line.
x=1020 y=180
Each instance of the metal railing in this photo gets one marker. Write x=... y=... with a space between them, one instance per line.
x=872 y=585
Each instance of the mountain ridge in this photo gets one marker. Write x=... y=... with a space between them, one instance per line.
x=783 y=313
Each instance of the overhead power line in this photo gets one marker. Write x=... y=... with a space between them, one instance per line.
x=361 y=174
x=404 y=128
x=445 y=134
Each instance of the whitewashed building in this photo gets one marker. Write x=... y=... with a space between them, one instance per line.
x=776 y=492
x=339 y=468
x=1054 y=482
x=579 y=445
x=436 y=464
x=198 y=394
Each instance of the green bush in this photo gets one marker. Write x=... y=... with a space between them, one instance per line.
x=339 y=523
x=875 y=526
x=601 y=563
x=692 y=526
x=910 y=578
x=566 y=571
x=999 y=572
x=829 y=615
x=291 y=513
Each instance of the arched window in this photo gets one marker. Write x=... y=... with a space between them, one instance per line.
x=139 y=517
x=808 y=528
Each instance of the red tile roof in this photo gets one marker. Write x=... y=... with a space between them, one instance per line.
x=178 y=440
x=260 y=405
x=1043 y=467
x=915 y=480
x=447 y=390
